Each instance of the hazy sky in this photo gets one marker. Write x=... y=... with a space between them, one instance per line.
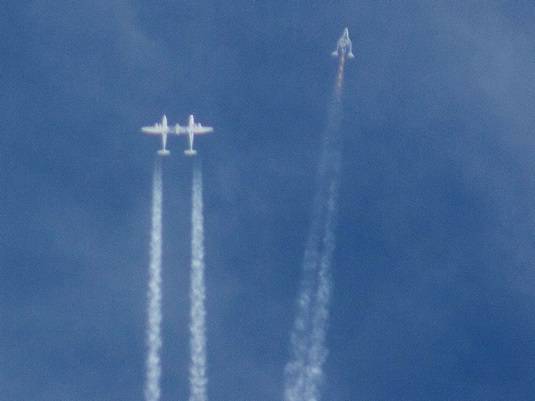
x=434 y=285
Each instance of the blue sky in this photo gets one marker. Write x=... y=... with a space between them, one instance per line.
x=433 y=274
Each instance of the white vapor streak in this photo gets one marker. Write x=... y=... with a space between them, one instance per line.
x=295 y=368
x=197 y=370
x=303 y=373
x=318 y=350
x=154 y=294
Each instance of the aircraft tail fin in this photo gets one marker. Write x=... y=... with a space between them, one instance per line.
x=190 y=152
x=164 y=152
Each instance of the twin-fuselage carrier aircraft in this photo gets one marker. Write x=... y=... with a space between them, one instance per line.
x=190 y=130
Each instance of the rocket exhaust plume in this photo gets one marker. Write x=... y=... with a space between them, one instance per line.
x=197 y=371
x=154 y=293
x=340 y=76
x=304 y=370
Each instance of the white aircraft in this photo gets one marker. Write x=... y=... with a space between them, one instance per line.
x=343 y=46
x=160 y=129
x=191 y=130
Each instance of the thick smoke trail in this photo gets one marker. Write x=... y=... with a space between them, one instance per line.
x=197 y=371
x=304 y=371
x=154 y=294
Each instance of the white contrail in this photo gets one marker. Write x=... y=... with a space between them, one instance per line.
x=329 y=185
x=154 y=294
x=304 y=371
x=295 y=368
x=317 y=353
x=197 y=372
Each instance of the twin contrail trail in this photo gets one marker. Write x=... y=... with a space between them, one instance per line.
x=154 y=293
x=308 y=352
x=197 y=371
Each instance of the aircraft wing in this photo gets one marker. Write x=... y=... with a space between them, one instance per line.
x=179 y=130
x=154 y=130
x=199 y=129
